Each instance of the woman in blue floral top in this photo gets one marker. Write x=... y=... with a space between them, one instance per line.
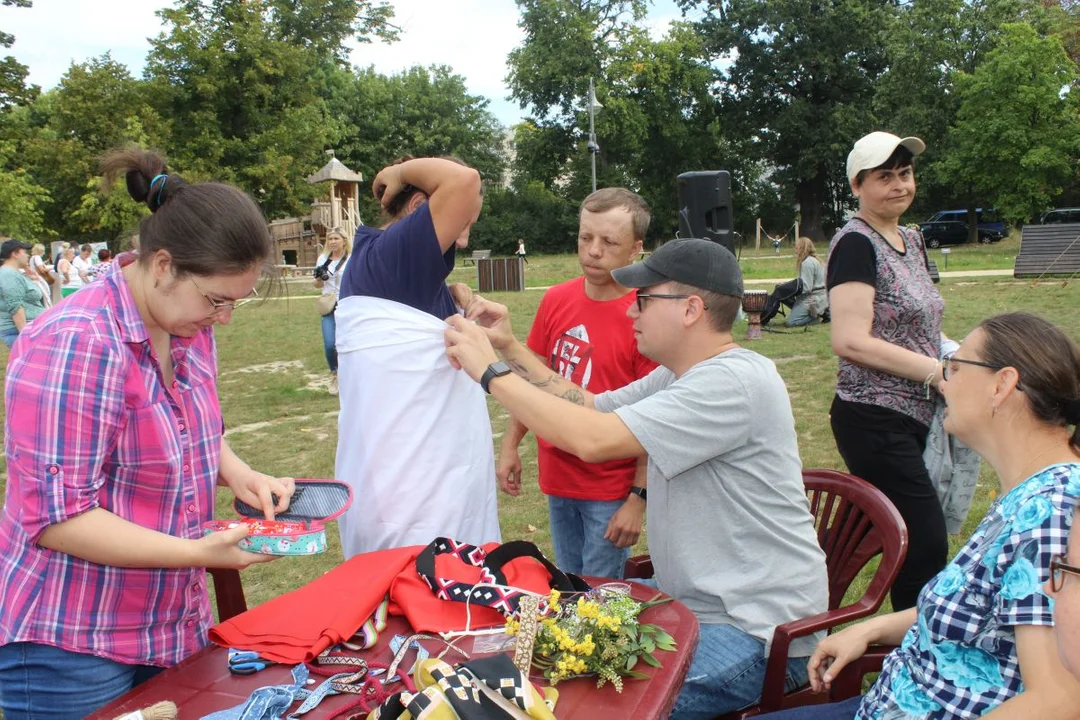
x=980 y=640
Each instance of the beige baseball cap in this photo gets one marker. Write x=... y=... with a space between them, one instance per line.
x=874 y=149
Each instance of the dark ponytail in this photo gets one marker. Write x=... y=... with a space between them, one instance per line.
x=208 y=228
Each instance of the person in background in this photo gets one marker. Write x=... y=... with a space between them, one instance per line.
x=328 y=269
x=521 y=251
x=582 y=332
x=886 y=330
x=83 y=264
x=40 y=273
x=114 y=441
x=411 y=426
x=812 y=302
x=981 y=639
x=20 y=298
x=104 y=262
x=70 y=279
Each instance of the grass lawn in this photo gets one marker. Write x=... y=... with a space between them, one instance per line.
x=282 y=421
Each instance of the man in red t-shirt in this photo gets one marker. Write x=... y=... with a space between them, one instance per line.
x=582 y=332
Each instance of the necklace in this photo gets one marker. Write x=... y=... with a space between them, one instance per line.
x=885 y=237
x=1032 y=461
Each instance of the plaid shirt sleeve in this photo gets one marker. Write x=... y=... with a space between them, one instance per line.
x=63 y=399
x=1040 y=530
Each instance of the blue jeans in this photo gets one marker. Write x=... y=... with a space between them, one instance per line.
x=800 y=315
x=329 y=339
x=577 y=530
x=8 y=336
x=41 y=682
x=843 y=710
x=727 y=673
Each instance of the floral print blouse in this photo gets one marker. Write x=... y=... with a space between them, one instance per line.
x=959 y=659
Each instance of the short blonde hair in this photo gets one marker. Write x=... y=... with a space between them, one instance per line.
x=38 y=249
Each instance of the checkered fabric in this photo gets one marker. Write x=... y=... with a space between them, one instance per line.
x=959 y=660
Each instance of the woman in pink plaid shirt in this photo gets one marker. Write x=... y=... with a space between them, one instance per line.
x=114 y=443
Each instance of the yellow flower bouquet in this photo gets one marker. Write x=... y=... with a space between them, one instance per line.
x=599 y=635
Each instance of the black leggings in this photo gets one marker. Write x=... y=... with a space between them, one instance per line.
x=893 y=463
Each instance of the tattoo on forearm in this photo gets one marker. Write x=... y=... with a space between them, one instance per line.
x=574 y=395
x=547 y=382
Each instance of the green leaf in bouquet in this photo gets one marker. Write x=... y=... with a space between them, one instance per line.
x=636 y=675
x=648 y=658
x=631 y=662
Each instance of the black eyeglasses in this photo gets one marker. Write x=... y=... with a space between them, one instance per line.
x=948 y=360
x=220 y=307
x=1058 y=568
x=642 y=297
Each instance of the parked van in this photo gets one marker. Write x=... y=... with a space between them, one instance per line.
x=990 y=223
x=1061 y=215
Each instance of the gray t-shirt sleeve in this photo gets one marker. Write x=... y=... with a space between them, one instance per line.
x=635 y=391
x=702 y=415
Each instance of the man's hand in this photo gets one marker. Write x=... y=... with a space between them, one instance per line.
x=255 y=488
x=508 y=471
x=387 y=184
x=495 y=319
x=624 y=528
x=468 y=347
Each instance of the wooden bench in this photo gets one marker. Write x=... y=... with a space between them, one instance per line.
x=1051 y=250
x=477 y=255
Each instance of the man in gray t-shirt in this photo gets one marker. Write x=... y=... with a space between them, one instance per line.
x=730 y=531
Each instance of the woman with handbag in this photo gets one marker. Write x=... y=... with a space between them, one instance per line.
x=40 y=273
x=812 y=301
x=328 y=270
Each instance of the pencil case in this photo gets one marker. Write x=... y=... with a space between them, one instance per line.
x=300 y=530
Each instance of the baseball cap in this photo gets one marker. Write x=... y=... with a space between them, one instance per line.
x=10 y=246
x=872 y=150
x=699 y=263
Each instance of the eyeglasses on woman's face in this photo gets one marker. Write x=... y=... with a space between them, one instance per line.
x=1058 y=569
x=949 y=363
x=220 y=307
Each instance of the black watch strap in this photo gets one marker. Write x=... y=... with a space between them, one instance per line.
x=640 y=492
x=494 y=370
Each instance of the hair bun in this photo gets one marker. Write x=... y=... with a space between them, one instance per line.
x=1072 y=412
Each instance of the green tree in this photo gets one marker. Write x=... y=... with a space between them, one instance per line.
x=97 y=106
x=244 y=85
x=1016 y=139
x=797 y=85
x=932 y=42
x=13 y=87
x=422 y=112
x=21 y=199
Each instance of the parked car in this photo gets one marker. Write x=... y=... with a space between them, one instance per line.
x=1061 y=215
x=988 y=219
x=952 y=232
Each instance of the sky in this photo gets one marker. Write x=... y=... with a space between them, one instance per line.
x=471 y=36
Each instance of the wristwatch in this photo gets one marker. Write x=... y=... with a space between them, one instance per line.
x=640 y=492
x=494 y=370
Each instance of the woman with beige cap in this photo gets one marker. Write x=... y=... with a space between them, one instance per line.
x=886 y=330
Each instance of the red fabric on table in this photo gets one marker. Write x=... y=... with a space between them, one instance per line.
x=297 y=626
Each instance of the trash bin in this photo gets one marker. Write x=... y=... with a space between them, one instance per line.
x=500 y=274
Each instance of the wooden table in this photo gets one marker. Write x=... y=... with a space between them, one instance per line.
x=202 y=684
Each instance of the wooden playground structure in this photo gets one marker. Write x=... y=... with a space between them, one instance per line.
x=299 y=240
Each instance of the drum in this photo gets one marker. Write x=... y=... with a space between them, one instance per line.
x=753 y=303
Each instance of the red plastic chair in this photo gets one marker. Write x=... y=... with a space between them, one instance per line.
x=229 y=592
x=855 y=523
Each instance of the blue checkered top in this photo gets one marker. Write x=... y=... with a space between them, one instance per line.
x=959 y=659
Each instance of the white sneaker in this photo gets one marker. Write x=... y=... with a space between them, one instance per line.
x=333 y=384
